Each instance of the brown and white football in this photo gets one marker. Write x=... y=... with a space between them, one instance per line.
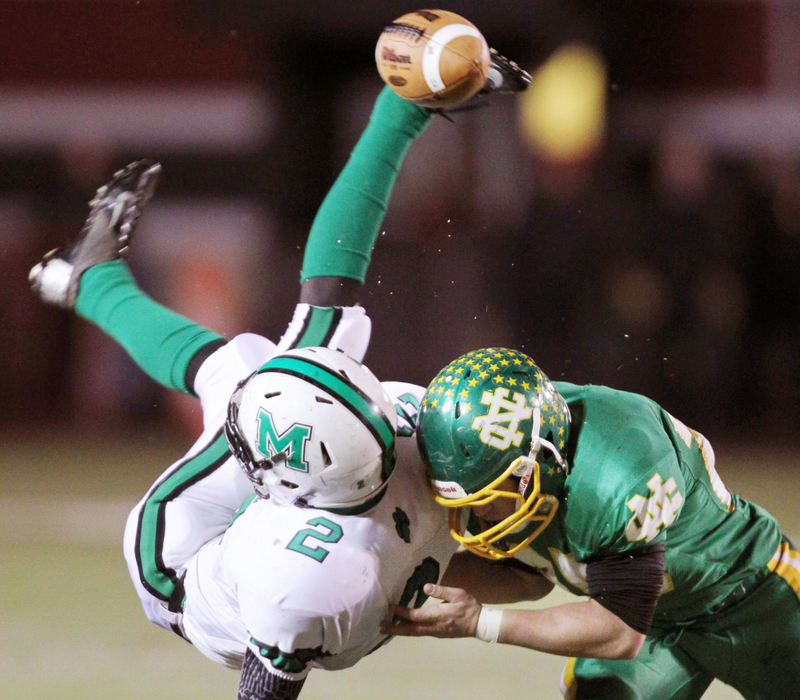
x=433 y=58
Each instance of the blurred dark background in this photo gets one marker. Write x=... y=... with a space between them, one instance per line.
x=633 y=220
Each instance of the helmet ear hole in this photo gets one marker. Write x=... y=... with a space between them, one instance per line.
x=323 y=399
x=326 y=457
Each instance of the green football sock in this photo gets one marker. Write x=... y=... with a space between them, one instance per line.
x=347 y=223
x=162 y=342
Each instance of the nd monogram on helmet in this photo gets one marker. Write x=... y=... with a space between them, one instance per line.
x=499 y=427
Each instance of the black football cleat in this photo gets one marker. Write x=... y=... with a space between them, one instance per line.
x=106 y=235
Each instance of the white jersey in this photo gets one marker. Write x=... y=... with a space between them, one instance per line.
x=303 y=587
x=308 y=588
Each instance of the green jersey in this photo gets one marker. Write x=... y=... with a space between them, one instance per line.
x=638 y=477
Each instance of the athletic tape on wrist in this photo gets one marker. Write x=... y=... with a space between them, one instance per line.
x=488 y=629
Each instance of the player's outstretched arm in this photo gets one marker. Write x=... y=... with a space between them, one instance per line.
x=584 y=629
x=344 y=231
x=347 y=223
x=257 y=683
x=623 y=588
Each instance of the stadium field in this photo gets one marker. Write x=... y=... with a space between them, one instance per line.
x=72 y=629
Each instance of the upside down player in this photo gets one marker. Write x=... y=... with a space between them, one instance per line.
x=310 y=428
x=613 y=498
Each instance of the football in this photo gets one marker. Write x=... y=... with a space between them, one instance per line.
x=434 y=58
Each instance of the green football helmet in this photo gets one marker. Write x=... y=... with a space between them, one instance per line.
x=489 y=415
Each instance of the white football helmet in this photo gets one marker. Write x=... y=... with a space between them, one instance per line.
x=315 y=428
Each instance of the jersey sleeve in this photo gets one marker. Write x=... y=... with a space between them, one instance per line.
x=407 y=399
x=345 y=328
x=191 y=503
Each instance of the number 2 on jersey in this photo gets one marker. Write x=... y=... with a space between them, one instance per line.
x=333 y=533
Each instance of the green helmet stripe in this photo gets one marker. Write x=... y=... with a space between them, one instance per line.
x=335 y=384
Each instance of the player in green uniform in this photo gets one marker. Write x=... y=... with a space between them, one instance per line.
x=611 y=497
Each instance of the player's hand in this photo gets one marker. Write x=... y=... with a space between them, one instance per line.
x=456 y=616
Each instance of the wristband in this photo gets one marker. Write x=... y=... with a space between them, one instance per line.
x=488 y=629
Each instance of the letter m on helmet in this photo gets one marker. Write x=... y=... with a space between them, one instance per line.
x=291 y=443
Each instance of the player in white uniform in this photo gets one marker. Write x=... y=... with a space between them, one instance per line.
x=301 y=587
x=247 y=592
x=338 y=570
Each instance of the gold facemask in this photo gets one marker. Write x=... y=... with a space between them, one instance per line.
x=535 y=508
